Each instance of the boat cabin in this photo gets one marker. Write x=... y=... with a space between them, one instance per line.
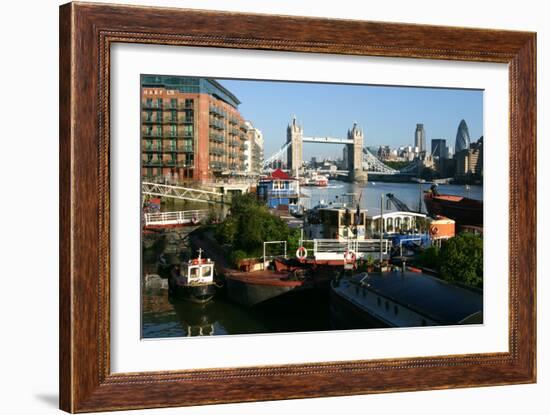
x=336 y=223
x=197 y=271
x=397 y=222
x=278 y=190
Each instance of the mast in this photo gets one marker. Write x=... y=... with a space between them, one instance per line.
x=381 y=225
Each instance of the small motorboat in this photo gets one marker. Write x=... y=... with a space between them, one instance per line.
x=193 y=280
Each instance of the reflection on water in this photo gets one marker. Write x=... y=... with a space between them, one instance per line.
x=164 y=316
x=305 y=311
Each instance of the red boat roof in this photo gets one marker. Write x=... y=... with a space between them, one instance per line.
x=279 y=174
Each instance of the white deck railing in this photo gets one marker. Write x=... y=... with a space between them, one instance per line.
x=336 y=248
x=175 y=218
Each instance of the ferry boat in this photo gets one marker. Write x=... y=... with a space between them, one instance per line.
x=193 y=280
x=316 y=179
x=402 y=299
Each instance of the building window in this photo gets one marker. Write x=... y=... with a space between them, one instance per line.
x=189 y=103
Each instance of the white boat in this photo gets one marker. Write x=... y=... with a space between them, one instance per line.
x=193 y=280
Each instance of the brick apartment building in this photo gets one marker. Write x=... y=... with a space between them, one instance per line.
x=191 y=129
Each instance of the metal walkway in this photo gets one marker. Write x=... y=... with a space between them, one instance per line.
x=184 y=193
x=175 y=218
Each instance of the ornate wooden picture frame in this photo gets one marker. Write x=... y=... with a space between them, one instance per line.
x=87 y=32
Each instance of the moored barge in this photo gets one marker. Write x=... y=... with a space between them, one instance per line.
x=402 y=299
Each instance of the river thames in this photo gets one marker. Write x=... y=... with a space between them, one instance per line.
x=308 y=311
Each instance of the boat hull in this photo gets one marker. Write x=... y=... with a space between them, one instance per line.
x=344 y=314
x=463 y=210
x=196 y=293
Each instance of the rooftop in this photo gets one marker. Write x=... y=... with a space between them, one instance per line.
x=436 y=299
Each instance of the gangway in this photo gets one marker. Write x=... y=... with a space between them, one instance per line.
x=184 y=193
x=185 y=217
x=399 y=205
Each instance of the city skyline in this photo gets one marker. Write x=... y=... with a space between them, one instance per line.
x=387 y=114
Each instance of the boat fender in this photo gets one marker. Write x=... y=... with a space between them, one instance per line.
x=349 y=256
x=301 y=253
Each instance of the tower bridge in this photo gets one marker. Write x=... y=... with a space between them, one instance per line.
x=354 y=144
x=359 y=161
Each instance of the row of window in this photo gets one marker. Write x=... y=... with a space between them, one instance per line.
x=386 y=304
x=173 y=103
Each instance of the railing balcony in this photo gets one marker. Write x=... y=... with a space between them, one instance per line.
x=217 y=124
x=218 y=138
x=152 y=163
x=152 y=135
x=153 y=149
x=217 y=111
x=147 y=120
x=152 y=106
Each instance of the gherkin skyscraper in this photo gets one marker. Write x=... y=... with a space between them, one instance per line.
x=462 y=137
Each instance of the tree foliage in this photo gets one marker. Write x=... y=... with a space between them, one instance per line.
x=461 y=260
x=250 y=224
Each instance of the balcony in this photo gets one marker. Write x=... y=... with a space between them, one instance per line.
x=217 y=111
x=147 y=120
x=178 y=134
x=233 y=143
x=152 y=135
x=218 y=138
x=153 y=149
x=217 y=124
x=152 y=106
x=216 y=151
x=152 y=163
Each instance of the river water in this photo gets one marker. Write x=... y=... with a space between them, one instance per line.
x=307 y=311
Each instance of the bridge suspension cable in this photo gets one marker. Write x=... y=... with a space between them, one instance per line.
x=276 y=156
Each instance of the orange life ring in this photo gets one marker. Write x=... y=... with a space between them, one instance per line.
x=301 y=253
x=434 y=230
x=349 y=256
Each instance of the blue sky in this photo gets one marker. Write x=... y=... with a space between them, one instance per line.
x=388 y=115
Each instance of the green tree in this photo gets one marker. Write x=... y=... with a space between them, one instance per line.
x=429 y=258
x=461 y=260
x=250 y=224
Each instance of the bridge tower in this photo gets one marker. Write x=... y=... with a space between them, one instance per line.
x=294 y=136
x=355 y=155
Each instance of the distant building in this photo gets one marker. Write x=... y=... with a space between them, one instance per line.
x=462 y=137
x=439 y=148
x=255 y=147
x=191 y=129
x=469 y=162
x=384 y=152
x=420 y=138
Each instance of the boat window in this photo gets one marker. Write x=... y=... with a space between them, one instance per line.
x=387 y=305
x=206 y=271
x=395 y=310
x=397 y=224
x=406 y=224
x=378 y=301
x=389 y=225
x=423 y=322
x=193 y=272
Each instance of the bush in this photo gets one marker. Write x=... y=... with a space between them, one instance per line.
x=461 y=260
x=250 y=224
x=429 y=258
